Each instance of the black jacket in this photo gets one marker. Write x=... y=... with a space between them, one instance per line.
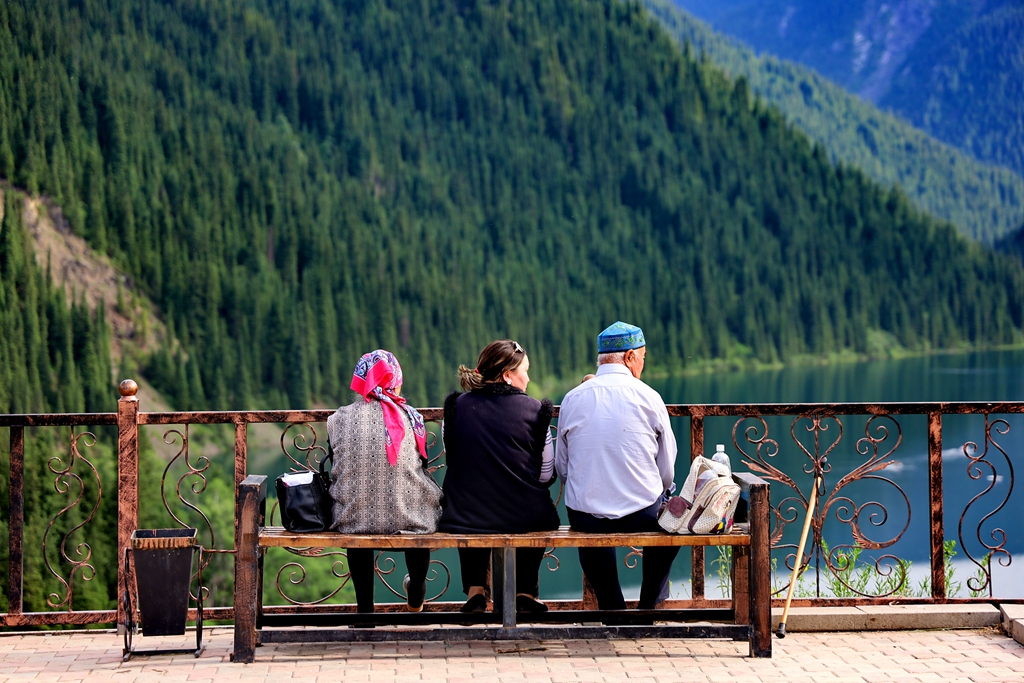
x=494 y=440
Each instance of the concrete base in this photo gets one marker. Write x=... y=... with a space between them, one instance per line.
x=1013 y=621
x=890 y=618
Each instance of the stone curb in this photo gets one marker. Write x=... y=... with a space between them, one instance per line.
x=1013 y=621
x=898 y=618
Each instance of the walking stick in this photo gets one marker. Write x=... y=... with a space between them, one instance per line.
x=781 y=633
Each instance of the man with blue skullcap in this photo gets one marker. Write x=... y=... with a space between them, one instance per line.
x=616 y=454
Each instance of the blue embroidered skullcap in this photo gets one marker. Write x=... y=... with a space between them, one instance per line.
x=620 y=336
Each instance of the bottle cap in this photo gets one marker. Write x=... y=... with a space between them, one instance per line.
x=720 y=447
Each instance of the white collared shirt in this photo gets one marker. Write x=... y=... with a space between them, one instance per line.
x=616 y=451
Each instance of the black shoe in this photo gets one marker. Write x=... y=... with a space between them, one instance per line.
x=416 y=596
x=475 y=605
x=363 y=624
x=530 y=605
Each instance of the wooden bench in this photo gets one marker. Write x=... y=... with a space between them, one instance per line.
x=748 y=618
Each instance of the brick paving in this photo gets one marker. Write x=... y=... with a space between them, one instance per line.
x=982 y=656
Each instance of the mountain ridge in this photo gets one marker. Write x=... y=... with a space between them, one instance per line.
x=952 y=68
x=984 y=201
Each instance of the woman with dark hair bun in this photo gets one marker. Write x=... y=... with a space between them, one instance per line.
x=500 y=464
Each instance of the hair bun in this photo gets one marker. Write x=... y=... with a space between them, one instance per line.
x=470 y=378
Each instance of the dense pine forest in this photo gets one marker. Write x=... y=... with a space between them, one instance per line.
x=984 y=201
x=293 y=184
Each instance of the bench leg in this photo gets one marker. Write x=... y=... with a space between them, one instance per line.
x=760 y=573
x=246 y=579
x=259 y=591
x=741 y=584
x=503 y=580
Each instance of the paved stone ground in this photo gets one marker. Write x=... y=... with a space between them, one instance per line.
x=947 y=656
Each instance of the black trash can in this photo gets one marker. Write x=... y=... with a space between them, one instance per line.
x=163 y=575
x=163 y=572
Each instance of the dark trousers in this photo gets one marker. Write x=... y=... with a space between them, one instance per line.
x=601 y=567
x=360 y=566
x=475 y=561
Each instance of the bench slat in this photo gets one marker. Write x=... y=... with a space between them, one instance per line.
x=275 y=536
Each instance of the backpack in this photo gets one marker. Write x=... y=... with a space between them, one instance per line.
x=707 y=503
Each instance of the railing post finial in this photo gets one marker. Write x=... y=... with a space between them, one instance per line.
x=128 y=389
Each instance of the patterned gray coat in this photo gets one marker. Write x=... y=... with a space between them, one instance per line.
x=371 y=496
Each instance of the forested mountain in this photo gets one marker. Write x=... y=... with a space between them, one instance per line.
x=954 y=68
x=296 y=183
x=984 y=201
x=1012 y=243
x=52 y=356
x=967 y=88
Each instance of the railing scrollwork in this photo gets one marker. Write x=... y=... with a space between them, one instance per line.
x=838 y=559
x=310 y=460
x=69 y=483
x=979 y=467
x=297 y=574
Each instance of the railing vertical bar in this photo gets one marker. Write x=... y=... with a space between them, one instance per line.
x=697 y=449
x=241 y=452
x=241 y=469
x=17 y=521
x=935 y=504
x=127 y=488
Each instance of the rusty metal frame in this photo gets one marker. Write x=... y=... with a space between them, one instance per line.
x=129 y=418
x=17 y=522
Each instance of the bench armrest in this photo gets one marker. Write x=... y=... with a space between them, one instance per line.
x=257 y=483
x=747 y=479
x=251 y=511
x=755 y=507
x=251 y=503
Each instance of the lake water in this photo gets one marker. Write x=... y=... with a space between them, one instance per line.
x=983 y=376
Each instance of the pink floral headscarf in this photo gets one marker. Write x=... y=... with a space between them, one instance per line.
x=376 y=377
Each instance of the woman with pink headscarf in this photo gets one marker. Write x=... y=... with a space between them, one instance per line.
x=380 y=483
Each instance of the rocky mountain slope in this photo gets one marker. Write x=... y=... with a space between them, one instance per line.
x=953 y=68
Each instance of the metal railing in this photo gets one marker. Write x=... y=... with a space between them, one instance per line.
x=848 y=509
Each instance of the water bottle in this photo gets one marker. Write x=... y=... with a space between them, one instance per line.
x=721 y=457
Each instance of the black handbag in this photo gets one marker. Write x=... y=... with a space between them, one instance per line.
x=306 y=508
